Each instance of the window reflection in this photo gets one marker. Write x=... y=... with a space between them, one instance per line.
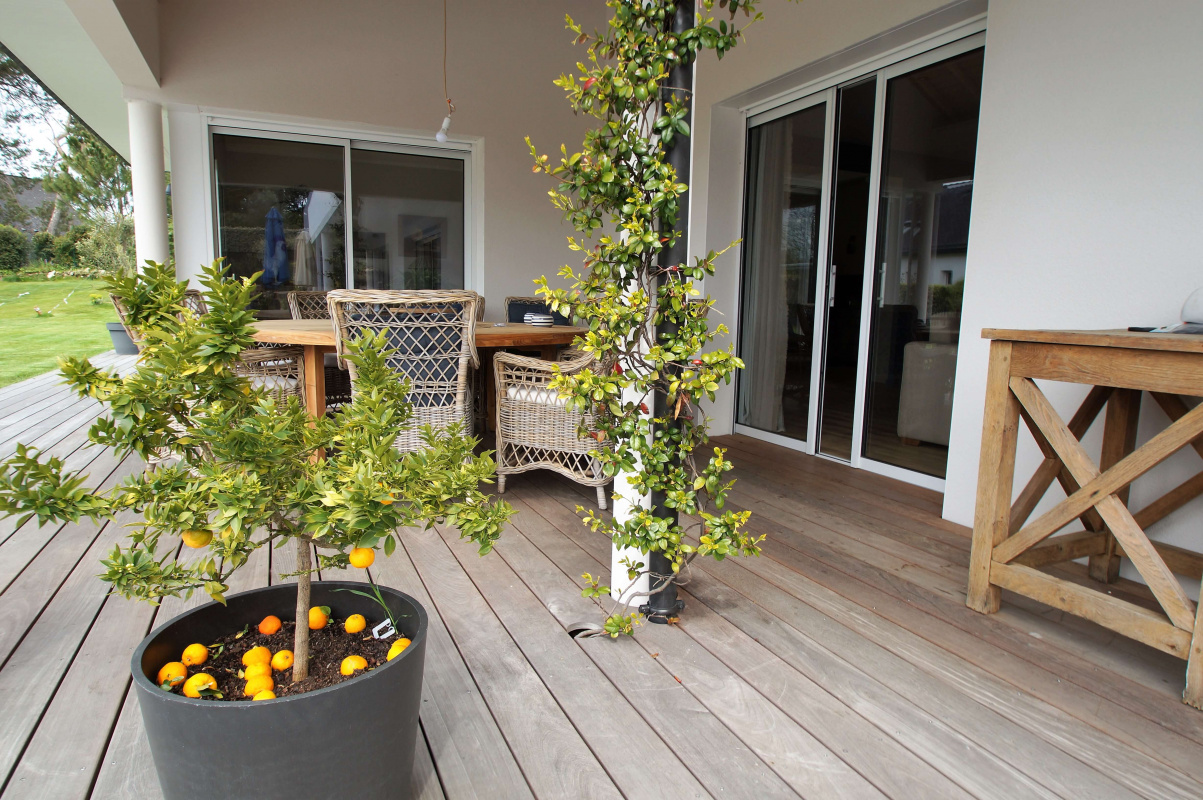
x=923 y=235
x=280 y=207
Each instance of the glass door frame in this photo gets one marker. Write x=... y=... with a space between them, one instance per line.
x=882 y=73
x=806 y=445
x=349 y=140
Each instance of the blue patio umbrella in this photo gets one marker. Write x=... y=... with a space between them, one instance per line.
x=275 y=252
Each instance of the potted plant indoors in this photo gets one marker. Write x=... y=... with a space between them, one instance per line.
x=239 y=470
x=648 y=326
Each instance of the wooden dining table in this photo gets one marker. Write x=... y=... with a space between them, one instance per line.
x=318 y=337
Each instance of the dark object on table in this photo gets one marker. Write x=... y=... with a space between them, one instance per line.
x=516 y=309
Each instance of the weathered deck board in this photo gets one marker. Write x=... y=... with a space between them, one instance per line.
x=841 y=664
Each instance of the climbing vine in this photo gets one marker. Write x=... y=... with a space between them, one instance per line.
x=647 y=321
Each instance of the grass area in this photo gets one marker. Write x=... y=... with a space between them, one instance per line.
x=31 y=345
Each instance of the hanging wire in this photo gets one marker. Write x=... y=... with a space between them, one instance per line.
x=450 y=105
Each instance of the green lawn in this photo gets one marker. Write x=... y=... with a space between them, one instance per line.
x=30 y=345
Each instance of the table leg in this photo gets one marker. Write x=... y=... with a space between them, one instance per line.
x=996 y=472
x=1119 y=439
x=486 y=367
x=549 y=352
x=315 y=380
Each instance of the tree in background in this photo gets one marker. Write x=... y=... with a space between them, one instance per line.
x=24 y=104
x=89 y=176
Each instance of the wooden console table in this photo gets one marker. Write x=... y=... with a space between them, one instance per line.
x=1008 y=549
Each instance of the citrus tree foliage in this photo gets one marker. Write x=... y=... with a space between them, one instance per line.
x=622 y=196
x=247 y=468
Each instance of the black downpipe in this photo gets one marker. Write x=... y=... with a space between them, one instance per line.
x=664 y=604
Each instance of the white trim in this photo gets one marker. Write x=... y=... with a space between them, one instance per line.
x=778 y=439
x=866 y=299
x=879 y=61
x=266 y=126
x=905 y=475
x=348 y=222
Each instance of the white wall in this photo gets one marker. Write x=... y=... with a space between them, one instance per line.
x=378 y=63
x=1088 y=198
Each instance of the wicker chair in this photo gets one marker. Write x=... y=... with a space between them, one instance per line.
x=313 y=305
x=516 y=309
x=433 y=333
x=535 y=429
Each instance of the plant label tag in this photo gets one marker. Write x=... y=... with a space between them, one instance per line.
x=384 y=630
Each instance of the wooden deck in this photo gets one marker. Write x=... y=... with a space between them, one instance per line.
x=841 y=664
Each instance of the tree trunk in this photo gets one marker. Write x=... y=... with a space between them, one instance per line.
x=57 y=217
x=300 y=639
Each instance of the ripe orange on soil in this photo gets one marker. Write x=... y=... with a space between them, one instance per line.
x=256 y=655
x=263 y=683
x=198 y=683
x=269 y=625
x=172 y=672
x=362 y=557
x=317 y=619
x=256 y=670
x=397 y=648
x=195 y=655
x=352 y=664
x=266 y=694
x=282 y=660
x=355 y=623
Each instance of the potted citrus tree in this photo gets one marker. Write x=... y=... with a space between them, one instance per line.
x=229 y=694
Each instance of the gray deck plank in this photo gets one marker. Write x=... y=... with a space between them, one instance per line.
x=579 y=687
x=26 y=596
x=469 y=750
x=724 y=764
x=32 y=674
x=553 y=756
x=884 y=762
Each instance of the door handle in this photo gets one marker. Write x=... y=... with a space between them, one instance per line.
x=831 y=288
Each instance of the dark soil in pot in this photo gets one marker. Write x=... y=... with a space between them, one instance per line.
x=352 y=739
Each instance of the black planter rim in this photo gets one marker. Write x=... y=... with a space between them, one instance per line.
x=140 y=677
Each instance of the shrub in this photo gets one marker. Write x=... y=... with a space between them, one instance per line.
x=14 y=249
x=43 y=246
x=66 y=247
x=108 y=248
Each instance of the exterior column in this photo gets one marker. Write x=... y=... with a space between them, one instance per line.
x=150 y=188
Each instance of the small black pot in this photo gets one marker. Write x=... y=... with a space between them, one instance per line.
x=121 y=342
x=354 y=739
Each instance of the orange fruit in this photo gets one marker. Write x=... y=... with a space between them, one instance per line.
x=197 y=538
x=256 y=655
x=269 y=625
x=317 y=619
x=266 y=694
x=195 y=655
x=355 y=623
x=282 y=660
x=263 y=683
x=352 y=664
x=172 y=673
x=362 y=557
x=256 y=670
x=398 y=648
x=198 y=683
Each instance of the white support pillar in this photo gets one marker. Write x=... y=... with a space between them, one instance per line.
x=146 y=173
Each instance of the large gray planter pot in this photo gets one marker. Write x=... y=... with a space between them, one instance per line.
x=121 y=342
x=354 y=739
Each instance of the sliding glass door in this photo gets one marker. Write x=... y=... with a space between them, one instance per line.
x=855 y=240
x=311 y=213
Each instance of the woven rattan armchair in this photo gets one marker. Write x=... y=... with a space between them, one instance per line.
x=313 y=305
x=279 y=369
x=535 y=429
x=516 y=308
x=433 y=334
